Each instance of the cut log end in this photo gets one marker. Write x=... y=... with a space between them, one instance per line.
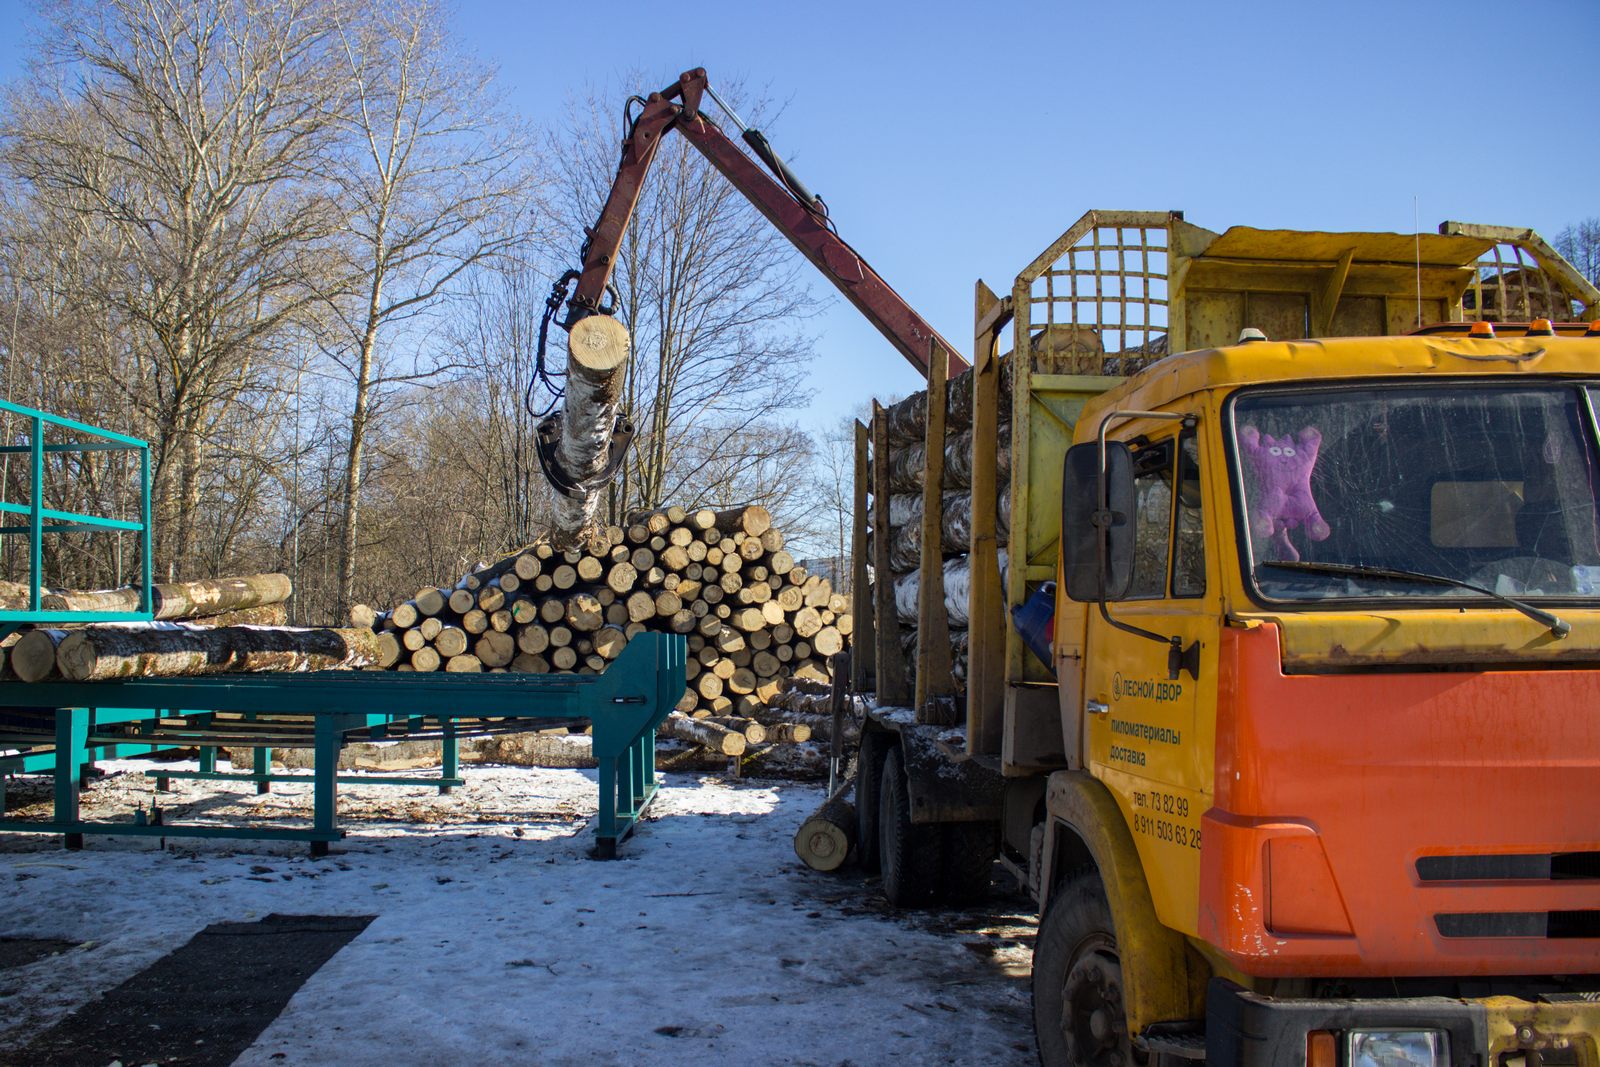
x=599 y=344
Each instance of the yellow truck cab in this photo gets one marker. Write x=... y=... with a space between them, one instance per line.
x=1304 y=769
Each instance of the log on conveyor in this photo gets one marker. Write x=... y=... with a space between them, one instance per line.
x=179 y=600
x=260 y=615
x=33 y=657
x=163 y=651
x=824 y=840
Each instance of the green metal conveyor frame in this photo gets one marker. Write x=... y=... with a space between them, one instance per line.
x=42 y=520
x=90 y=719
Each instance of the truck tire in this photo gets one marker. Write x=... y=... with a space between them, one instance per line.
x=908 y=852
x=869 y=773
x=967 y=861
x=1079 y=1019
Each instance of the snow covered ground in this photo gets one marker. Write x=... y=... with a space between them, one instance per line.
x=498 y=941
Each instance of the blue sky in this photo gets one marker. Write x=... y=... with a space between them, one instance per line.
x=954 y=141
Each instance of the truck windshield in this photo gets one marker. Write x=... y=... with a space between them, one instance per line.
x=1487 y=485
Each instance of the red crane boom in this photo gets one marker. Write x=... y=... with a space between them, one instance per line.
x=582 y=447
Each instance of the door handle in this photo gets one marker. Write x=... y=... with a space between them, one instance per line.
x=1096 y=707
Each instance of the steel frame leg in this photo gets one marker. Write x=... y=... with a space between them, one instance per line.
x=261 y=763
x=450 y=749
x=640 y=761
x=208 y=753
x=325 y=783
x=606 y=832
x=72 y=735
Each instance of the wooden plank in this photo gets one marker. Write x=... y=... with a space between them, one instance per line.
x=985 y=621
x=933 y=681
x=893 y=686
x=863 y=645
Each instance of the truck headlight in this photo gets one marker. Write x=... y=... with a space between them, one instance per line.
x=1397 y=1048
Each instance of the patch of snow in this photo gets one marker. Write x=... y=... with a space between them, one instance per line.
x=497 y=940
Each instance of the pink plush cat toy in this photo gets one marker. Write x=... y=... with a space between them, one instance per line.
x=1281 y=500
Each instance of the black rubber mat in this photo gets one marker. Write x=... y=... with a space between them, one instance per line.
x=200 y=1005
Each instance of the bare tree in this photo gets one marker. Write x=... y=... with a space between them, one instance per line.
x=835 y=492
x=185 y=141
x=714 y=299
x=435 y=182
x=1579 y=244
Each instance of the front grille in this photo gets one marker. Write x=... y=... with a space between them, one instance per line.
x=1534 y=867
x=1555 y=925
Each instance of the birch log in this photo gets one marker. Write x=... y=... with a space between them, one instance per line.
x=718 y=739
x=104 y=652
x=597 y=361
x=906 y=463
x=823 y=841
x=957 y=582
x=177 y=600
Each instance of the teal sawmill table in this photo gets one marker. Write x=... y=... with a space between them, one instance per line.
x=322 y=710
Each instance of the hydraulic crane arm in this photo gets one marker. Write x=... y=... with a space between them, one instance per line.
x=581 y=447
x=787 y=204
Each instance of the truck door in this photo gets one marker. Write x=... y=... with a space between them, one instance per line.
x=1143 y=728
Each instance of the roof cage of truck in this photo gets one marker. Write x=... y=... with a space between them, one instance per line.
x=1120 y=289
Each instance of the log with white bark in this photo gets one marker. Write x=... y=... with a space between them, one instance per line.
x=170 y=600
x=907 y=420
x=905 y=542
x=597 y=362
x=144 y=651
x=718 y=739
x=957 y=583
x=262 y=615
x=820 y=724
x=907 y=463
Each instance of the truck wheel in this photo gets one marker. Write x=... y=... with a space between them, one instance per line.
x=1079 y=1018
x=968 y=859
x=909 y=852
x=869 y=773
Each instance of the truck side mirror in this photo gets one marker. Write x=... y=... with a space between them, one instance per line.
x=1096 y=534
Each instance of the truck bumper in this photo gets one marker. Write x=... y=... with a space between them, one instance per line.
x=1245 y=1028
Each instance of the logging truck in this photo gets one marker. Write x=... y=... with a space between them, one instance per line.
x=1248 y=612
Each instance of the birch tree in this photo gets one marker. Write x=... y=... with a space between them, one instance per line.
x=435 y=182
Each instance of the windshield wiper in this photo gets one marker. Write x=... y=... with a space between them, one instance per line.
x=1361 y=570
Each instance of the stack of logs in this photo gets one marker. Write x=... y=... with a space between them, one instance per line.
x=203 y=627
x=752 y=617
x=906 y=423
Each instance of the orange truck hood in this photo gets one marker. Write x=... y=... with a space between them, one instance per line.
x=1331 y=785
